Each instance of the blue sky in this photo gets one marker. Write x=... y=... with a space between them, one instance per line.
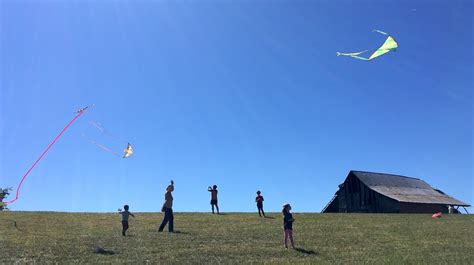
x=248 y=95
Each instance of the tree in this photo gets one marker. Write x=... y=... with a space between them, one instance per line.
x=3 y=194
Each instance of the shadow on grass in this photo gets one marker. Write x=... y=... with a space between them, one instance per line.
x=181 y=232
x=306 y=252
x=269 y=217
x=16 y=226
x=103 y=251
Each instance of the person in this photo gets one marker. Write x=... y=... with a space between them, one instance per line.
x=167 y=209
x=288 y=224
x=125 y=214
x=213 y=192
x=259 y=200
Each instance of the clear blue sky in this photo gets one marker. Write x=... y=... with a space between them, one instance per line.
x=247 y=95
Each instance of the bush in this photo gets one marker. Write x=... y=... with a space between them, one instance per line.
x=3 y=194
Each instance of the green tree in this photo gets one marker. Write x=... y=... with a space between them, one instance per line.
x=3 y=194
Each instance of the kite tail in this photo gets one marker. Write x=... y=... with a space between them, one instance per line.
x=379 y=31
x=354 y=55
x=361 y=58
x=97 y=126
x=103 y=130
x=79 y=113
x=105 y=148
x=101 y=146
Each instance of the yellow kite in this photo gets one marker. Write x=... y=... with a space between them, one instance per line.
x=389 y=45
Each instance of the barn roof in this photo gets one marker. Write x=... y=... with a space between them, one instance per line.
x=405 y=189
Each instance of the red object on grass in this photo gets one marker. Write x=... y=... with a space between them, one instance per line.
x=437 y=215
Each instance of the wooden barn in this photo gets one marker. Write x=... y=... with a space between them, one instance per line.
x=368 y=192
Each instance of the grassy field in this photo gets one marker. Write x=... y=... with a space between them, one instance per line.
x=236 y=238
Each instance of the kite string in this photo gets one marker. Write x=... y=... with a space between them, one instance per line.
x=43 y=154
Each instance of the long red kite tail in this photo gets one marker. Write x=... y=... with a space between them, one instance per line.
x=79 y=113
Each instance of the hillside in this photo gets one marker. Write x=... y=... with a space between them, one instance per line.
x=236 y=238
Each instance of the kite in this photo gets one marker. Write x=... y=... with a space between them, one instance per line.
x=127 y=152
x=78 y=114
x=389 y=45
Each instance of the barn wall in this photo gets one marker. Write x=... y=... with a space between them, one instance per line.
x=355 y=196
x=406 y=207
x=333 y=207
x=385 y=204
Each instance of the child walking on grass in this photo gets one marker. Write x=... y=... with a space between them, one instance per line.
x=288 y=224
x=125 y=214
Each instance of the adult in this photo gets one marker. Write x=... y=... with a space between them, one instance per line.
x=167 y=209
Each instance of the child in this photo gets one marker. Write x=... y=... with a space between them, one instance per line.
x=213 y=192
x=288 y=224
x=125 y=214
x=259 y=200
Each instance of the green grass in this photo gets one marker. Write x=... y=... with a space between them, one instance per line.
x=236 y=238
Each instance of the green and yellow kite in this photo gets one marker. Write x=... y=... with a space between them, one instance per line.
x=389 y=45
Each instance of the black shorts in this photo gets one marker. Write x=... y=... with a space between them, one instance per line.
x=213 y=202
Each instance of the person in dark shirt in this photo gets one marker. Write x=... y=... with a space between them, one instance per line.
x=259 y=201
x=288 y=224
x=213 y=192
x=167 y=208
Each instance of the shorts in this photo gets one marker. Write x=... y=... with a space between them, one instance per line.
x=213 y=202
x=124 y=225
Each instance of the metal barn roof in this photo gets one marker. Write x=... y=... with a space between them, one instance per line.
x=405 y=189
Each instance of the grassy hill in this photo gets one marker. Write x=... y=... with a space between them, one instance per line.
x=236 y=238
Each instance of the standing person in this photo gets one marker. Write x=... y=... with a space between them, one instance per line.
x=259 y=200
x=167 y=209
x=125 y=214
x=213 y=192
x=288 y=224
